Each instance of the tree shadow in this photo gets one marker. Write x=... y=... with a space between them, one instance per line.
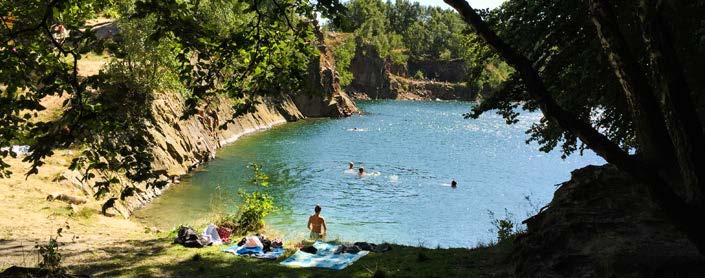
x=158 y=257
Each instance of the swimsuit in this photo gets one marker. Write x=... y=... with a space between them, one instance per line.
x=313 y=235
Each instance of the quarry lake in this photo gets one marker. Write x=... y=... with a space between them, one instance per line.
x=412 y=151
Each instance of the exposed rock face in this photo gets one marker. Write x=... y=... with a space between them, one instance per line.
x=375 y=78
x=182 y=145
x=324 y=97
x=602 y=223
x=370 y=74
x=446 y=71
x=410 y=89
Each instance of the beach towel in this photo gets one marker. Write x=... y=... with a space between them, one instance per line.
x=211 y=235
x=324 y=258
x=255 y=252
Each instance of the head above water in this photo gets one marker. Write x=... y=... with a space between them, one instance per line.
x=351 y=164
x=317 y=209
x=453 y=183
x=361 y=170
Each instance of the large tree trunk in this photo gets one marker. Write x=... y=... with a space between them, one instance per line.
x=655 y=147
x=677 y=103
x=691 y=220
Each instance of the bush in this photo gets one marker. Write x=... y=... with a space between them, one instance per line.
x=505 y=228
x=252 y=210
x=419 y=75
x=343 y=54
x=50 y=255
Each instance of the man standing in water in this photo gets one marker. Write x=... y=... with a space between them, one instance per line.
x=317 y=224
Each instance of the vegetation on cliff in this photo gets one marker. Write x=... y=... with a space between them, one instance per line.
x=406 y=33
x=201 y=50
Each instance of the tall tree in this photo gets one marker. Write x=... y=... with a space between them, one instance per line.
x=676 y=187
x=200 y=49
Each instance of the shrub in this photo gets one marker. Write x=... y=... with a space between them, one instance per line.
x=419 y=75
x=50 y=255
x=505 y=227
x=343 y=54
x=252 y=210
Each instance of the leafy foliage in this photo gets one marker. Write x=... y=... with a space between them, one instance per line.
x=343 y=54
x=253 y=208
x=50 y=255
x=202 y=50
x=402 y=30
x=504 y=227
x=560 y=40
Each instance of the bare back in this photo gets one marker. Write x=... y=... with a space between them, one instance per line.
x=316 y=222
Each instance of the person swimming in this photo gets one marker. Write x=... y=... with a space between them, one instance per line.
x=361 y=171
x=351 y=165
x=317 y=224
x=453 y=184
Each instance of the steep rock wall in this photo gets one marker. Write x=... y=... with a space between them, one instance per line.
x=370 y=74
x=446 y=71
x=410 y=89
x=376 y=78
x=323 y=96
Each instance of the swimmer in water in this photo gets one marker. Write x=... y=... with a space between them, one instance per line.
x=453 y=184
x=361 y=171
x=351 y=165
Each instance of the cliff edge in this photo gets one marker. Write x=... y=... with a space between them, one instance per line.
x=602 y=223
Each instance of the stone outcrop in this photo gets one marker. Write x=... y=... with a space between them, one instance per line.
x=445 y=71
x=370 y=73
x=323 y=96
x=377 y=78
x=602 y=223
x=411 y=89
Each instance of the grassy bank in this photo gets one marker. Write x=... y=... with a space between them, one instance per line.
x=161 y=258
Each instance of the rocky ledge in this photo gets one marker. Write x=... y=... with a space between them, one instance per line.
x=602 y=223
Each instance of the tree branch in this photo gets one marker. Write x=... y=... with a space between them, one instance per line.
x=537 y=91
x=686 y=217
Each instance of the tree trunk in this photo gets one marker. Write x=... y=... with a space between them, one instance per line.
x=655 y=147
x=691 y=220
x=677 y=105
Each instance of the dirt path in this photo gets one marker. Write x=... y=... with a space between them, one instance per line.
x=28 y=218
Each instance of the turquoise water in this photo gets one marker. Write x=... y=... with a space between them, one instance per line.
x=413 y=149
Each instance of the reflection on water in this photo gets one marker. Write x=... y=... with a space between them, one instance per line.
x=411 y=151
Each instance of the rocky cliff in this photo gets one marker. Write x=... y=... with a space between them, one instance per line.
x=602 y=223
x=377 y=78
x=181 y=145
x=446 y=71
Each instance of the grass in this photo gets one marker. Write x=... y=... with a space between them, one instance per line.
x=161 y=258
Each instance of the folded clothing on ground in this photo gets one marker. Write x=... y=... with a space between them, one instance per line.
x=325 y=257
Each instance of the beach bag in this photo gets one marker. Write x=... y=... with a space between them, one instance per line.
x=189 y=238
x=224 y=234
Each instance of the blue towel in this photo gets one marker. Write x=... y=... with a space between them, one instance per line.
x=325 y=257
x=256 y=252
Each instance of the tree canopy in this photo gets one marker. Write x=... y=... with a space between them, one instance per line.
x=650 y=54
x=201 y=50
